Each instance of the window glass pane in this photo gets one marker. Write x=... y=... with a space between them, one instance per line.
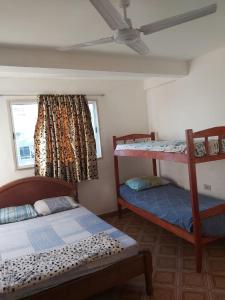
x=95 y=125
x=24 y=120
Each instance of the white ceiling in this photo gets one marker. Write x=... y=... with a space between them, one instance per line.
x=54 y=23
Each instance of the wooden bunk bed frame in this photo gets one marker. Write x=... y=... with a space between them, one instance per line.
x=187 y=158
x=31 y=189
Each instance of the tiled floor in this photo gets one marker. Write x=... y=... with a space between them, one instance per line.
x=174 y=276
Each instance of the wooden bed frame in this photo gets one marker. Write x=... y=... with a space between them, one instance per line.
x=187 y=158
x=31 y=189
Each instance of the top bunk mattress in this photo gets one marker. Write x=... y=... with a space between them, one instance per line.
x=49 y=232
x=175 y=146
x=173 y=204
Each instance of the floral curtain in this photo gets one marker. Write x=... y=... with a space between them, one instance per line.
x=64 y=139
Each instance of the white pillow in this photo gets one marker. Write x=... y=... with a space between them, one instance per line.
x=53 y=205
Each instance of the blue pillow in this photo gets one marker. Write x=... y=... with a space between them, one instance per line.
x=17 y=213
x=145 y=182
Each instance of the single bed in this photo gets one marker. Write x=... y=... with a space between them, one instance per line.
x=172 y=204
x=49 y=232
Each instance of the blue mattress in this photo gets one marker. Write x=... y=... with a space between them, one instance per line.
x=173 y=205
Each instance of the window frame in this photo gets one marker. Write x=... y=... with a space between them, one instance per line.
x=23 y=101
x=97 y=128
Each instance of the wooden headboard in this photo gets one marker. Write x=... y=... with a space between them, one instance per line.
x=31 y=189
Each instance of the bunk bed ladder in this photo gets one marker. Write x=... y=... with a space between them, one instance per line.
x=194 y=198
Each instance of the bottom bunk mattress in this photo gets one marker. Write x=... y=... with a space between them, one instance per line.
x=42 y=234
x=173 y=204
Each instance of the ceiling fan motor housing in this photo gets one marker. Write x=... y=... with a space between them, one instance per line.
x=126 y=35
x=124 y=3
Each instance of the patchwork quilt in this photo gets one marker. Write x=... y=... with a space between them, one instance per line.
x=29 y=239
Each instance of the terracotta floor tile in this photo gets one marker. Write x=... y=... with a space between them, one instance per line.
x=218 y=296
x=151 y=231
x=216 y=252
x=148 y=246
x=133 y=231
x=192 y=295
x=165 y=277
x=168 y=250
x=189 y=264
x=188 y=251
x=148 y=238
x=218 y=281
x=164 y=239
x=192 y=279
x=218 y=243
x=165 y=262
x=174 y=275
x=131 y=293
x=163 y=294
x=216 y=265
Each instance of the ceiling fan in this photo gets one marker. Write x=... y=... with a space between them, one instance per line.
x=124 y=33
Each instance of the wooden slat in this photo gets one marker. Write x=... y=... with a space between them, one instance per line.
x=199 y=160
x=101 y=280
x=134 y=136
x=215 y=131
x=207 y=240
x=168 y=156
x=177 y=157
x=213 y=211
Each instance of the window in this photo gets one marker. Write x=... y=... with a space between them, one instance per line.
x=95 y=125
x=24 y=116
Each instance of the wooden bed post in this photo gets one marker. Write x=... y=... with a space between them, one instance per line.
x=76 y=195
x=117 y=178
x=148 y=272
x=194 y=198
x=154 y=166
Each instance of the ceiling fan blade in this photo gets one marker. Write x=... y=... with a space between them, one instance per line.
x=109 y=14
x=139 y=46
x=179 y=19
x=87 y=44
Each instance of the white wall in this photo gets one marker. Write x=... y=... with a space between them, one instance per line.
x=121 y=111
x=197 y=102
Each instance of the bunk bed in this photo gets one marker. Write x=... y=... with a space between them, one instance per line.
x=199 y=147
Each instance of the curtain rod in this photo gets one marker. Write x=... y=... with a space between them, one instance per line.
x=31 y=95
